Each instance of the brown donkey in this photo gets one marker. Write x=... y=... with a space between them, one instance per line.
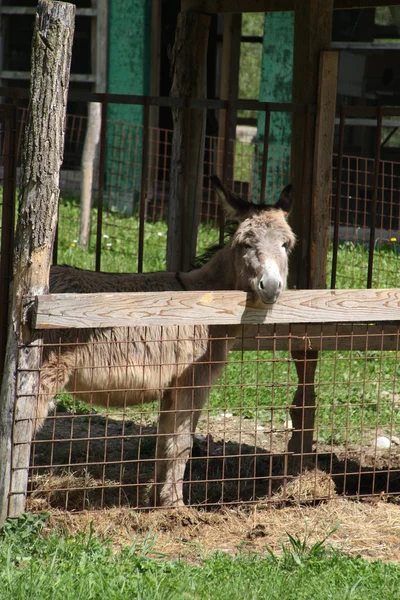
x=128 y=366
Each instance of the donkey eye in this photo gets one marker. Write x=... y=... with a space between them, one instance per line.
x=285 y=245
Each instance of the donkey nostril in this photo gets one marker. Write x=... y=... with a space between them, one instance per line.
x=280 y=285
x=261 y=285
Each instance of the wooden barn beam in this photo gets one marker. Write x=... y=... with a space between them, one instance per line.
x=229 y=90
x=312 y=34
x=322 y=173
x=38 y=205
x=240 y=6
x=189 y=66
x=310 y=165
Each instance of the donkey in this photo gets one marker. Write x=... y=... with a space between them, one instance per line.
x=129 y=366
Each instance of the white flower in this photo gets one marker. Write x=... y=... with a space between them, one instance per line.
x=105 y=236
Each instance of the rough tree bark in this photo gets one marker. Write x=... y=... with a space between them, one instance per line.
x=38 y=202
x=189 y=65
x=88 y=158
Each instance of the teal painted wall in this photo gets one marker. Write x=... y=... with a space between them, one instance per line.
x=128 y=73
x=276 y=86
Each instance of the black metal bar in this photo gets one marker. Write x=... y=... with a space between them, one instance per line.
x=215 y=104
x=182 y=199
x=143 y=184
x=227 y=165
x=102 y=173
x=339 y=168
x=227 y=168
x=55 y=244
x=265 y=153
x=374 y=197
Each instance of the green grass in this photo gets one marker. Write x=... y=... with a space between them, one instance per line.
x=119 y=241
x=355 y=392
x=84 y=567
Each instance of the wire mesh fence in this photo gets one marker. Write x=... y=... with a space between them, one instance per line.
x=100 y=452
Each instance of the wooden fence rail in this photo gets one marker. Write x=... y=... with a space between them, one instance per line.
x=213 y=308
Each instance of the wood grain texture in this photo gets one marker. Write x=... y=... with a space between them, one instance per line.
x=214 y=308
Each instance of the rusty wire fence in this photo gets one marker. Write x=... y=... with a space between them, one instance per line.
x=95 y=455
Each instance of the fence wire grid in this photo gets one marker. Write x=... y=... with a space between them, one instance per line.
x=91 y=456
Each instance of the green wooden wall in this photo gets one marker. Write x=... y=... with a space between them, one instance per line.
x=128 y=73
x=276 y=86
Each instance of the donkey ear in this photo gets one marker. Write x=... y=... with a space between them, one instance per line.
x=286 y=198
x=234 y=206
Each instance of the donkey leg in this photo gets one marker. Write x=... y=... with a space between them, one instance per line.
x=174 y=443
x=303 y=409
x=54 y=374
x=180 y=412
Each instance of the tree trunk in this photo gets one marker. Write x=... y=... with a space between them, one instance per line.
x=38 y=202
x=189 y=63
x=88 y=158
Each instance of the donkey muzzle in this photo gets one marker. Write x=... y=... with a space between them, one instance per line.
x=269 y=283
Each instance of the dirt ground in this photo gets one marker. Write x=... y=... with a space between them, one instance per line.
x=239 y=485
x=97 y=461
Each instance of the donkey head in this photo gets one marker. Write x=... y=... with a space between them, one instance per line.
x=261 y=243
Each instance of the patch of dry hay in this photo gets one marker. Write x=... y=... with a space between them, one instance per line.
x=74 y=490
x=311 y=486
x=369 y=530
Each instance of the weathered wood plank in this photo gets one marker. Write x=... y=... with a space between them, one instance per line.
x=217 y=307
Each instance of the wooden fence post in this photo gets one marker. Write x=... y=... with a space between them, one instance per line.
x=92 y=139
x=312 y=34
x=38 y=203
x=304 y=403
x=189 y=63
